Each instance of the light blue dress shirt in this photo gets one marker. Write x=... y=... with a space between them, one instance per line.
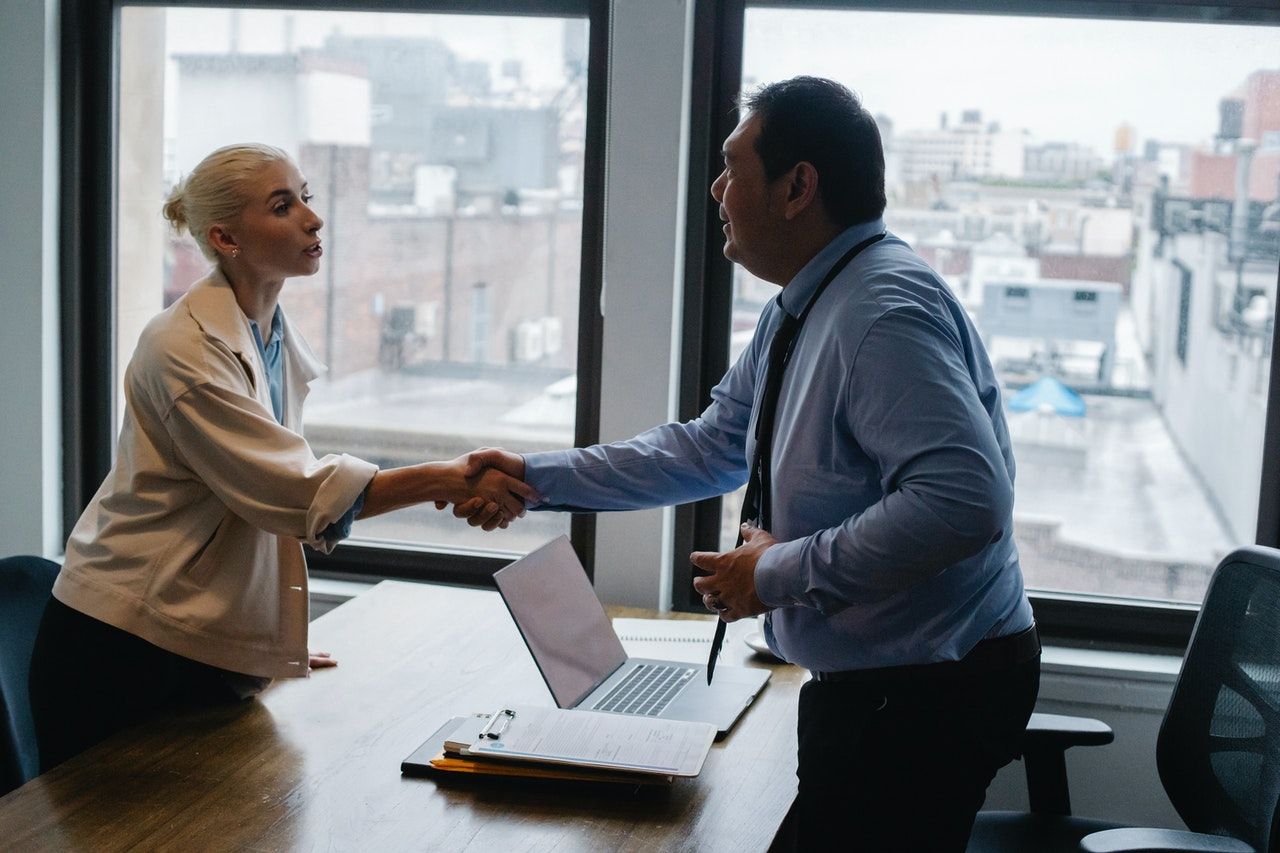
x=893 y=471
x=270 y=352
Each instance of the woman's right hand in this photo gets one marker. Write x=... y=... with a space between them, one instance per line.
x=502 y=469
x=489 y=498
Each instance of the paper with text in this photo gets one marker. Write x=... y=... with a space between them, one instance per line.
x=590 y=739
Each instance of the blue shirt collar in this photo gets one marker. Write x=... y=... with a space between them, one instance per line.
x=277 y=331
x=797 y=292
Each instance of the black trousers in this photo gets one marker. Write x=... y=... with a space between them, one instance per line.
x=903 y=765
x=90 y=680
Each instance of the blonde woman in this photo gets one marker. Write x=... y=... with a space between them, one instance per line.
x=184 y=579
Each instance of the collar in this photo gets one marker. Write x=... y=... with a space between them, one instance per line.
x=797 y=292
x=277 y=329
x=212 y=304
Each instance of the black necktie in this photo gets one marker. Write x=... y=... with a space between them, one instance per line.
x=755 y=504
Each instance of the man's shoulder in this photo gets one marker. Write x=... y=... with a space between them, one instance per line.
x=894 y=277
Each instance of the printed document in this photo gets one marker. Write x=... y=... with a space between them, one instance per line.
x=590 y=739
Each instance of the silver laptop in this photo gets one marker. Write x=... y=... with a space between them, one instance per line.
x=582 y=659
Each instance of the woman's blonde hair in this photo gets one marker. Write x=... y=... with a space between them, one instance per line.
x=214 y=191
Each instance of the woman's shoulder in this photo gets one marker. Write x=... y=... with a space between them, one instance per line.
x=178 y=350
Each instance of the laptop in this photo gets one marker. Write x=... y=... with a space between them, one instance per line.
x=583 y=662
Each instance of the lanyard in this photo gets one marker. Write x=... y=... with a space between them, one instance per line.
x=757 y=497
x=757 y=501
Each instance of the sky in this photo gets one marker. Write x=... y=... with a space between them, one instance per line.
x=536 y=42
x=1062 y=79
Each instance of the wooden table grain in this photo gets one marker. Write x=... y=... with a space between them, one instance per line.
x=314 y=764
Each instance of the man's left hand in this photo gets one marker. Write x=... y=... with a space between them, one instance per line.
x=730 y=587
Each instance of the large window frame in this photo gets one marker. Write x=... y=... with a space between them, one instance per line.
x=90 y=49
x=1080 y=620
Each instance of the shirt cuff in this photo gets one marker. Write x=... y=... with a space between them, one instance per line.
x=347 y=480
x=341 y=528
x=776 y=577
x=547 y=471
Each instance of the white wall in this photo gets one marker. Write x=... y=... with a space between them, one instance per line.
x=335 y=108
x=1220 y=375
x=644 y=248
x=211 y=113
x=141 y=230
x=30 y=466
x=1118 y=781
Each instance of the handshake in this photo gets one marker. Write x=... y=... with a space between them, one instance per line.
x=488 y=488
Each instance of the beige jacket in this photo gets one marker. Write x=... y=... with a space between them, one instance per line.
x=193 y=542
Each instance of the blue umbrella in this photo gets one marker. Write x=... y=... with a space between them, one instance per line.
x=1048 y=394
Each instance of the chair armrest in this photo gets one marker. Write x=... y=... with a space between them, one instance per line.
x=1160 y=841
x=1044 y=745
x=1055 y=731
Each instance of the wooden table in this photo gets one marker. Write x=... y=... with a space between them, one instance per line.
x=314 y=764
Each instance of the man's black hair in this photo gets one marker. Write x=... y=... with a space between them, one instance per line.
x=821 y=122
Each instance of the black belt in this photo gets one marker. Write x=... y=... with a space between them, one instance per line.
x=994 y=655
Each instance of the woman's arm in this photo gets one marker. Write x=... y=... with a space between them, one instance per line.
x=501 y=497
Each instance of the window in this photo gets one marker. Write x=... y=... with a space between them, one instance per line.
x=454 y=160
x=1184 y=310
x=1060 y=220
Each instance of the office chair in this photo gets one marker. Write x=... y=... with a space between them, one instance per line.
x=1218 y=751
x=25 y=584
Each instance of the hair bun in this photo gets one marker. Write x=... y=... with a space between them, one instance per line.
x=217 y=190
x=175 y=208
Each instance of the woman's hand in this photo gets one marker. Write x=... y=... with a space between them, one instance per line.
x=484 y=462
x=320 y=660
x=489 y=498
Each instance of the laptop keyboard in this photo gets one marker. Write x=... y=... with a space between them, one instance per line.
x=646 y=690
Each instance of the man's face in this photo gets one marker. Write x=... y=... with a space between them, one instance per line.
x=746 y=204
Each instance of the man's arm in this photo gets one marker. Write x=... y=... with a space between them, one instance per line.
x=947 y=491
x=670 y=464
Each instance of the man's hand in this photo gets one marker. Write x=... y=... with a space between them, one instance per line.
x=730 y=588
x=497 y=479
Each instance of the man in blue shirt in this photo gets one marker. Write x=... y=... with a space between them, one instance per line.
x=888 y=566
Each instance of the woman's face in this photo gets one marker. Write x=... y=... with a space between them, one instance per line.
x=276 y=232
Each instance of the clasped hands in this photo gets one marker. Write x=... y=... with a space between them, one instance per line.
x=494 y=481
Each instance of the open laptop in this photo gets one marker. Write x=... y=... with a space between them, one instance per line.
x=582 y=659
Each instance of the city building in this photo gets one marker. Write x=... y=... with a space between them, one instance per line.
x=1061 y=162
x=967 y=150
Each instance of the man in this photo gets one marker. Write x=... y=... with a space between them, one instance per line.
x=888 y=566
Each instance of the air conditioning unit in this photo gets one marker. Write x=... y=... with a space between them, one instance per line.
x=528 y=343
x=426 y=319
x=552 y=335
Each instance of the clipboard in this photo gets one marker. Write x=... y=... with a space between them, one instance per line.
x=432 y=759
x=585 y=739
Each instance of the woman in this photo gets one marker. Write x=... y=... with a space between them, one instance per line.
x=184 y=581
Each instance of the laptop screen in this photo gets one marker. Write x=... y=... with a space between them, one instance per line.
x=562 y=620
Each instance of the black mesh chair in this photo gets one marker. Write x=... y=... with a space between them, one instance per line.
x=1218 y=751
x=25 y=584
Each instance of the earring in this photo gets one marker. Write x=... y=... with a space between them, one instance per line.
x=235 y=253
